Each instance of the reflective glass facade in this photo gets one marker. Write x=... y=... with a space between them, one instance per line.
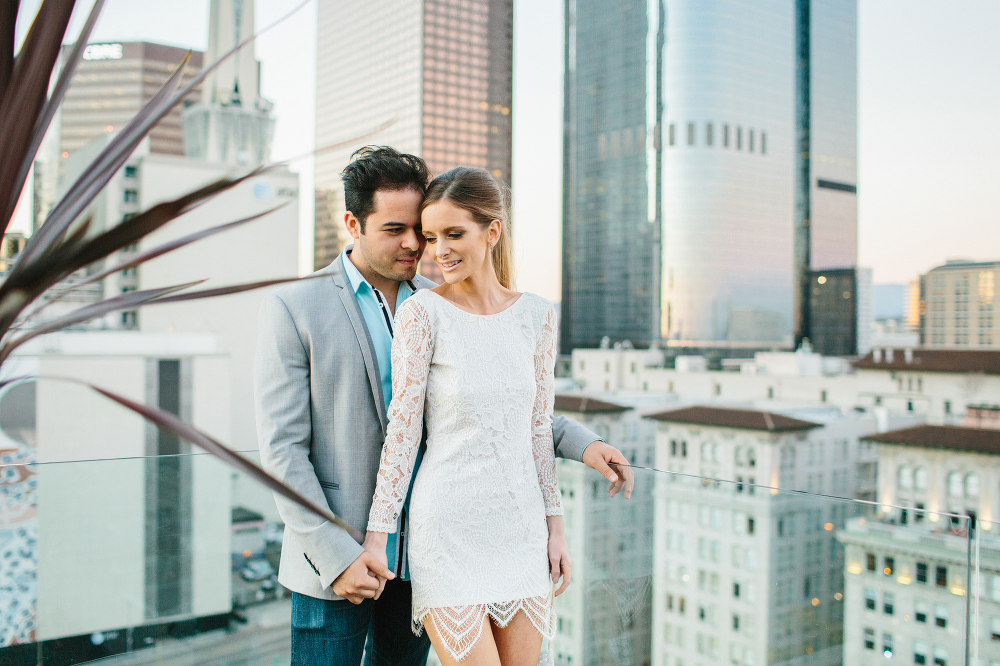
x=611 y=221
x=444 y=75
x=701 y=239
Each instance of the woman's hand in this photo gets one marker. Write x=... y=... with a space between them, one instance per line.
x=374 y=545
x=560 y=563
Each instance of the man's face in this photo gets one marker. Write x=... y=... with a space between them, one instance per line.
x=392 y=242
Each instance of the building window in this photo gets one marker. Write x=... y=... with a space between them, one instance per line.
x=941 y=576
x=670 y=134
x=890 y=565
x=869 y=638
x=736 y=590
x=919 y=652
x=770 y=392
x=822 y=395
x=131 y=171
x=870 y=599
x=920 y=611
x=920 y=478
x=921 y=572
x=690 y=134
x=995 y=629
x=736 y=622
x=940 y=657
x=750 y=525
x=947 y=406
x=888 y=603
x=673 y=448
x=871 y=561
x=972 y=485
x=739 y=138
x=941 y=615
x=725 y=135
x=130 y=196
x=708 y=134
x=887 y=645
x=750 y=142
x=763 y=143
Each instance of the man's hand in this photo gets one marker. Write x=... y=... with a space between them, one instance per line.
x=601 y=456
x=364 y=579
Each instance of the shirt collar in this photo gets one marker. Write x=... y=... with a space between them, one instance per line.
x=353 y=274
x=358 y=281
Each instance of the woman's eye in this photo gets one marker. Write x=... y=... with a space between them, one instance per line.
x=455 y=234
x=430 y=239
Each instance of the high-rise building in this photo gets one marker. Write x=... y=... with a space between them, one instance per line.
x=113 y=81
x=233 y=124
x=442 y=78
x=745 y=573
x=959 y=306
x=709 y=161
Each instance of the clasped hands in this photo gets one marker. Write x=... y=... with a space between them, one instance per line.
x=365 y=578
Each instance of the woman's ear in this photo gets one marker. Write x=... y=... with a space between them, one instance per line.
x=494 y=232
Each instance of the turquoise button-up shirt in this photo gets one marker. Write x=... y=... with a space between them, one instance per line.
x=380 y=321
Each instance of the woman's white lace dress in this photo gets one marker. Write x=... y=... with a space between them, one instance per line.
x=484 y=386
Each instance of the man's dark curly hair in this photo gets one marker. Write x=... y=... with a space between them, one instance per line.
x=379 y=168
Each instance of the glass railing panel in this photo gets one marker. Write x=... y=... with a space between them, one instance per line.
x=173 y=559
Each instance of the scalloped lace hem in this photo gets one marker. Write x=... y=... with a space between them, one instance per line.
x=460 y=627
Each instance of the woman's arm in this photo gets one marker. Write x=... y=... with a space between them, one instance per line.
x=412 y=348
x=541 y=418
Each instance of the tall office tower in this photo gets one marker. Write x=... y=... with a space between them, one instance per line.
x=826 y=216
x=114 y=81
x=685 y=126
x=233 y=124
x=438 y=70
x=959 y=306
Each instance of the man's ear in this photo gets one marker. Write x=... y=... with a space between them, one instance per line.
x=353 y=225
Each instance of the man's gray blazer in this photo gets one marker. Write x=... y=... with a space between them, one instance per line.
x=321 y=421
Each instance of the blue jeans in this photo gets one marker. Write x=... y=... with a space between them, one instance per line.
x=337 y=633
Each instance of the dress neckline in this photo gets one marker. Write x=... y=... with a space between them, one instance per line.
x=476 y=314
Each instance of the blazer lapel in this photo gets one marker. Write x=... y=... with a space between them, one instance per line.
x=364 y=339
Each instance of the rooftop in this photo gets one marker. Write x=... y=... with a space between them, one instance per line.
x=932 y=360
x=746 y=419
x=957 y=438
x=582 y=404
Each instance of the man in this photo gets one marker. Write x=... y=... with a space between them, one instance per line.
x=322 y=387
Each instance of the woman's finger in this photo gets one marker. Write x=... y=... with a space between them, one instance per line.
x=554 y=568
x=566 y=576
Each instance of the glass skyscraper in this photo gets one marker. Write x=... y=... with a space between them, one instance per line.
x=440 y=70
x=691 y=129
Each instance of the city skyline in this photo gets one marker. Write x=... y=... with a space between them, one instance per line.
x=923 y=194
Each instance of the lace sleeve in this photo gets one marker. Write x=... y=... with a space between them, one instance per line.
x=541 y=418
x=411 y=359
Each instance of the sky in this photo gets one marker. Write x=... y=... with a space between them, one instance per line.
x=928 y=93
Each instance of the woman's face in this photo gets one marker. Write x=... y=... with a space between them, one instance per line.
x=460 y=245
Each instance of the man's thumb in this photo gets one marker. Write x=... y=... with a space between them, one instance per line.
x=603 y=468
x=378 y=568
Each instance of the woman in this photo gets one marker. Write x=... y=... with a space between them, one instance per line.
x=474 y=360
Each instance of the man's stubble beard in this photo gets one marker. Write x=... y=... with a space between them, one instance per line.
x=386 y=268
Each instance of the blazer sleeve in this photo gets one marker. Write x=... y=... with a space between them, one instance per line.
x=284 y=431
x=571 y=439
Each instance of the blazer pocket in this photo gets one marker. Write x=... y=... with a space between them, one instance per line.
x=331 y=486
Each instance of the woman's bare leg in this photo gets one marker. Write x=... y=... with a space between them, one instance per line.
x=519 y=643
x=483 y=653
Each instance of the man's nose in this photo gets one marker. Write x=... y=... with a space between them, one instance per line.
x=411 y=240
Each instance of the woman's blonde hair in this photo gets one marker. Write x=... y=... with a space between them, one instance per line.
x=475 y=191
